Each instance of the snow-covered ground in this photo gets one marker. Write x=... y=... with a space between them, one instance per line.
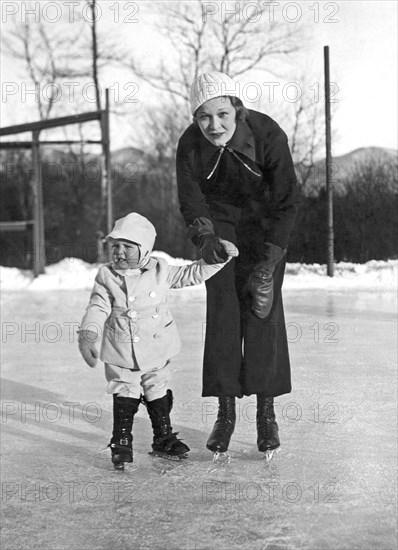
x=332 y=486
x=72 y=273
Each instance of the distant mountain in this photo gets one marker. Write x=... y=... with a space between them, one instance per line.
x=130 y=158
x=130 y=155
x=59 y=154
x=129 y=164
x=343 y=167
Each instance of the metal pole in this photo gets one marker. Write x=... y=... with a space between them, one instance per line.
x=329 y=182
x=39 y=259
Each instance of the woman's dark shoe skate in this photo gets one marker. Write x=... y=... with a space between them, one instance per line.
x=165 y=441
x=220 y=437
x=267 y=428
x=124 y=409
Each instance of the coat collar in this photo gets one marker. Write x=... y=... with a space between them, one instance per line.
x=134 y=272
x=241 y=142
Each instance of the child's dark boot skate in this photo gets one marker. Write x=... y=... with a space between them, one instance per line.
x=267 y=428
x=165 y=442
x=124 y=409
x=220 y=437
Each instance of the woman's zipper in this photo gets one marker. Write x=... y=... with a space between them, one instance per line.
x=236 y=156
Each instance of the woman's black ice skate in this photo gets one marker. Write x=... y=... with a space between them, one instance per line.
x=124 y=409
x=267 y=428
x=220 y=437
x=165 y=442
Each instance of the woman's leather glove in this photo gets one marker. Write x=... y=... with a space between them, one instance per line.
x=211 y=247
x=87 y=347
x=261 y=281
x=212 y=250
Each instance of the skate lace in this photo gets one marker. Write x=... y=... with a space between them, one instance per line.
x=263 y=424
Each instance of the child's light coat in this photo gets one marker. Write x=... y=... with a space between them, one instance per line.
x=132 y=311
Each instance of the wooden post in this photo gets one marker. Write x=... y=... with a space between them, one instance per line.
x=109 y=210
x=99 y=238
x=329 y=182
x=107 y=181
x=39 y=258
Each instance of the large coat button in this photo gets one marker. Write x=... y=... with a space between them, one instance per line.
x=131 y=298
x=152 y=294
x=132 y=314
x=136 y=339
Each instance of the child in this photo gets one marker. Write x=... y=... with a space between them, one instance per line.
x=129 y=304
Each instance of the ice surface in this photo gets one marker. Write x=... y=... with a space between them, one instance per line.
x=332 y=486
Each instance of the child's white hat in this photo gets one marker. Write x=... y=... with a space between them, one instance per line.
x=137 y=229
x=210 y=85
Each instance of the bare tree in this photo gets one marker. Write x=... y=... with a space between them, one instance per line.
x=234 y=42
x=243 y=42
x=94 y=51
x=304 y=122
x=185 y=29
x=236 y=38
x=97 y=52
x=306 y=135
x=53 y=58
x=46 y=55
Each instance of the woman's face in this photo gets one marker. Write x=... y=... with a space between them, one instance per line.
x=217 y=120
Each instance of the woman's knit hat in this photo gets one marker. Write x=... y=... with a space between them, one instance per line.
x=210 y=85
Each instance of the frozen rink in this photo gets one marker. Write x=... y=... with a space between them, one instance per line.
x=332 y=486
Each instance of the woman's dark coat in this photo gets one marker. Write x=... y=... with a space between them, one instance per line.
x=248 y=190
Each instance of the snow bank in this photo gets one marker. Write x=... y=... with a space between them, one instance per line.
x=373 y=274
x=69 y=273
x=72 y=273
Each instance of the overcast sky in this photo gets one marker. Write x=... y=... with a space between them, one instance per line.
x=361 y=35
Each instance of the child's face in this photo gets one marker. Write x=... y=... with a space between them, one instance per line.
x=126 y=255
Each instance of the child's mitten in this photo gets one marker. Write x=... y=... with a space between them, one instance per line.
x=87 y=347
x=229 y=248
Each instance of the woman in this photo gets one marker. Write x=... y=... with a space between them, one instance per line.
x=236 y=181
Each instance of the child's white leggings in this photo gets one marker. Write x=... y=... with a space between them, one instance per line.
x=132 y=383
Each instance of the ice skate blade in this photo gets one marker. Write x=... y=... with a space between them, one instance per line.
x=221 y=458
x=173 y=458
x=270 y=453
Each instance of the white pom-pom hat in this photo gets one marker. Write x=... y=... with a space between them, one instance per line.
x=210 y=85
